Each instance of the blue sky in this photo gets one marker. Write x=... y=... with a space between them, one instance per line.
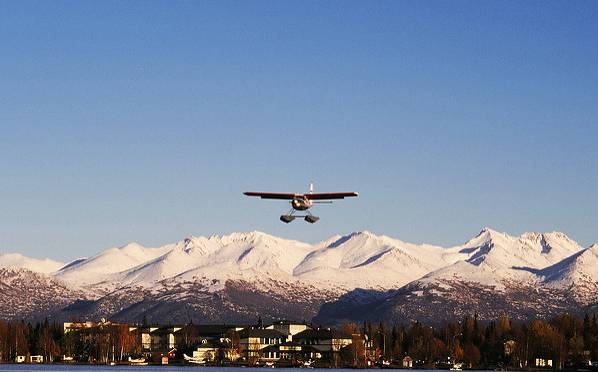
x=144 y=121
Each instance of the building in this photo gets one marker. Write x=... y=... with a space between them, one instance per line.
x=543 y=363
x=253 y=341
x=325 y=340
x=37 y=359
x=290 y=352
x=210 y=350
x=192 y=334
x=288 y=328
x=283 y=341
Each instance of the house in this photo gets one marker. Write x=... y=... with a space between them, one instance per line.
x=20 y=359
x=78 y=326
x=407 y=362
x=155 y=338
x=325 y=340
x=145 y=336
x=290 y=351
x=37 y=359
x=543 y=363
x=193 y=334
x=252 y=342
x=209 y=350
x=288 y=328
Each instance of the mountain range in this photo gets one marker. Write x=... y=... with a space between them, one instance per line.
x=360 y=276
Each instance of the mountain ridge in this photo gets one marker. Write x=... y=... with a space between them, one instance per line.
x=220 y=276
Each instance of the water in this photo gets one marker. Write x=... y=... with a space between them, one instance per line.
x=106 y=368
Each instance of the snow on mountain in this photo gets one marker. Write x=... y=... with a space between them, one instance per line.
x=100 y=267
x=500 y=273
x=495 y=258
x=18 y=261
x=241 y=275
x=577 y=273
x=532 y=250
x=360 y=259
x=366 y=260
x=252 y=255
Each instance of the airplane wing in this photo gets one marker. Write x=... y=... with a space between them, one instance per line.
x=271 y=195
x=330 y=195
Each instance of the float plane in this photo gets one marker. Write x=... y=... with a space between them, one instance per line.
x=302 y=202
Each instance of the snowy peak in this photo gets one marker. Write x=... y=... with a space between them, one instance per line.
x=360 y=259
x=364 y=259
x=531 y=250
x=114 y=260
x=577 y=274
x=580 y=267
x=495 y=258
x=221 y=257
x=18 y=261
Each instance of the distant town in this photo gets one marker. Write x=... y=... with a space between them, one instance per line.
x=564 y=342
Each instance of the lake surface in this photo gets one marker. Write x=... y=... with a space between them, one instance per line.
x=87 y=368
x=106 y=368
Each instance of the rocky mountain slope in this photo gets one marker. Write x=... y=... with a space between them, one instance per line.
x=29 y=295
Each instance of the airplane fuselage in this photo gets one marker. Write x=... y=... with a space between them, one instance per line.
x=301 y=203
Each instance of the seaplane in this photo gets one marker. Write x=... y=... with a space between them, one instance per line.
x=137 y=361
x=193 y=359
x=302 y=202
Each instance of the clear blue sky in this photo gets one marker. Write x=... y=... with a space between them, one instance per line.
x=144 y=121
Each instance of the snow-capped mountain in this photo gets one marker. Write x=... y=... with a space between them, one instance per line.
x=497 y=259
x=243 y=275
x=236 y=256
x=104 y=265
x=577 y=274
x=499 y=273
x=366 y=260
x=18 y=261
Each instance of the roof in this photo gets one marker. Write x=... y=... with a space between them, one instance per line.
x=321 y=334
x=287 y=322
x=261 y=332
x=207 y=329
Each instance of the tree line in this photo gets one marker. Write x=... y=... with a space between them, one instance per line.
x=566 y=340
